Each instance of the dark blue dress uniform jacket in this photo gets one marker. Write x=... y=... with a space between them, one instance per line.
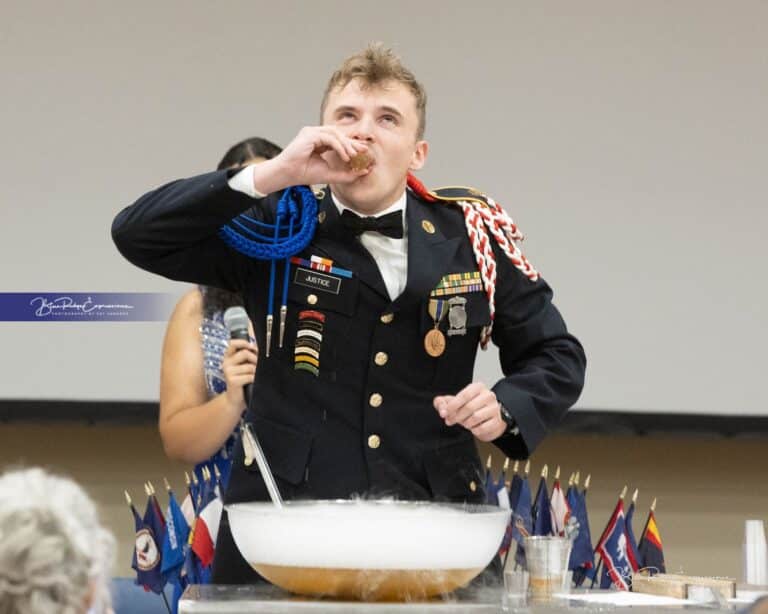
x=326 y=435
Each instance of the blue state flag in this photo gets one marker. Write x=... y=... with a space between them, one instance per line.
x=514 y=490
x=158 y=520
x=206 y=574
x=178 y=590
x=138 y=524
x=513 y=494
x=159 y=527
x=632 y=552
x=176 y=536
x=542 y=514
x=582 y=555
x=190 y=571
x=224 y=466
x=147 y=551
x=196 y=486
x=572 y=497
x=522 y=519
x=223 y=460
x=612 y=550
x=207 y=493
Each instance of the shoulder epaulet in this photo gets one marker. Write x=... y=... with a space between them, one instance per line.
x=456 y=193
x=448 y=194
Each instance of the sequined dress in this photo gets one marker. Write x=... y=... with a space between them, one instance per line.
x=215 y=338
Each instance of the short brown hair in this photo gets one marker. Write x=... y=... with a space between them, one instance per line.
x=373 y=66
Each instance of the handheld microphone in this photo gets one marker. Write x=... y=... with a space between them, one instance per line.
x=236 y=321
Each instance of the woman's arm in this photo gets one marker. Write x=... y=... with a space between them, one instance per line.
x=191 y=426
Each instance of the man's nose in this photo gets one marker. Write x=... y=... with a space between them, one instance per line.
x=363 y=130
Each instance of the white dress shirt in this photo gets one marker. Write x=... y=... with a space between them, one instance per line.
x=391 y=255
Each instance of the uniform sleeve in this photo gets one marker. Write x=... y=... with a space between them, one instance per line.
x=173 y=231
x=542 y=363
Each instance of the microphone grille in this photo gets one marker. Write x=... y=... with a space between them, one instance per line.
x=235 y=318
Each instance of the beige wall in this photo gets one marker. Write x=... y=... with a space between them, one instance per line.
x=627 y=139
x=706 y=487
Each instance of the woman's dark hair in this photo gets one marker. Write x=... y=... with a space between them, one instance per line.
x=244 y=151
x=215 y=299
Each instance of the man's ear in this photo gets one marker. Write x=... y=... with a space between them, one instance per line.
x=419 y=157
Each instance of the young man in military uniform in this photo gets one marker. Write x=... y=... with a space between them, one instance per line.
x=368 y=390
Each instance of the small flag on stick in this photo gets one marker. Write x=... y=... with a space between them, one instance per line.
x=650 y=547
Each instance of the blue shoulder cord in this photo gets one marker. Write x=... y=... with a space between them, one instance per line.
x=292 y=231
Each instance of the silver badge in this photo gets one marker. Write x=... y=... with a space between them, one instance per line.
x=457 y=316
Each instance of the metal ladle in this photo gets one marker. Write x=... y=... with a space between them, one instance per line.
x=252 y=451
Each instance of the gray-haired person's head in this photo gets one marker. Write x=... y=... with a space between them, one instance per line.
x=55 y=557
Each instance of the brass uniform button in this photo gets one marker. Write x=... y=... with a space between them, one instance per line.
x=375 y=400
x=319 y=193
x=374 y=441
x=321 y=217
x=312 y=299
x=386 y=318
x=428 y=226
x=472 y=486
x=381 y=358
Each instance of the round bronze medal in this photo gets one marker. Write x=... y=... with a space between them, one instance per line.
x=434 y=342
x=359 y=161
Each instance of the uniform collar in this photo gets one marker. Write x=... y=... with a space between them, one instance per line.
x=398 y=205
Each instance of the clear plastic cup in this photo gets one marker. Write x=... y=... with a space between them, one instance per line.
x=755 y=553
x=547 y=559
x=516 y=584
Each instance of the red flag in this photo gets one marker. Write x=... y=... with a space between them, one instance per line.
x=206 y=530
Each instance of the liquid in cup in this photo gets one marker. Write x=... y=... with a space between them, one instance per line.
x=547 y=559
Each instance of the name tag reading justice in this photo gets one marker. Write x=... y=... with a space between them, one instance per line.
x=317 y=281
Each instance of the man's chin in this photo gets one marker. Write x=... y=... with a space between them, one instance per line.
x=357 y=195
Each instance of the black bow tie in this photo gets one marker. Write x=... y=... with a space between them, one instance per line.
x=390 y=225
